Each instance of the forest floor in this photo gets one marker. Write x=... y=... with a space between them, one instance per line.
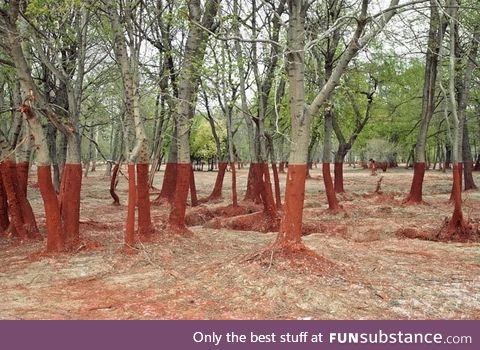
x=374 y=275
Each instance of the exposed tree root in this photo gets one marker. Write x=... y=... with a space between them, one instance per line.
x=201 y=215
x=259 y=222
x=172 y=229
x=160 y=201
x=413 y=233
x=113 y=185
x=198 y=216
x=463 y=233
x=331 y=229
x=409 y=200
x=291 y=255
x=335 y=211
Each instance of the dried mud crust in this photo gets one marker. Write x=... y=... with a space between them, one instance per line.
x=375 y=275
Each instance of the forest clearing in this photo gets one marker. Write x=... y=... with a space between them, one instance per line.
x=375 y=274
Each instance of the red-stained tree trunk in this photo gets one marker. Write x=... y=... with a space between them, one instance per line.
x=4 y=220
x=195 y=48
x=14 y=207
x=234 y=185
x=254 y=183
x=31 y=96
x=138 y=158
x=176 y=219
x=145 y=226
x=291 y=225
x=289 y=236
x=327 y=150
x=338 y=177
x=132 y=199
x=217 y=188
x=435 y=38
x=113 y=184
x=329 y=190
x=459 y=88
x=266 y=193
x=22 y=174
x=456 y=222
x=23 y=223
x=276 y=181
x=467 y=160
x=69 y=200
x=193 y=189
x=415 y=195
x=170 y=174
x=55 y=227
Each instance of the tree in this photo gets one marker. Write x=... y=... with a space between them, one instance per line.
x=435 y=38
x=458 y=88
x=62 y=220
x=201 y=25
x=289 y=237
x=138 y=159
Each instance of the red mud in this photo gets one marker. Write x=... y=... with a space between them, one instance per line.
x=4 y=221
x=22 y=174
x=132 y=201
x=145 y=227
x=70 y=202
x=291 y=225
x=55 y=229
x=415 y=195
x=113 y=185
x=176 y=220
x=329 y=190
x=338 y=177
x=168 y=185
x=193 y=189
x=217 y=188
x=9 y=179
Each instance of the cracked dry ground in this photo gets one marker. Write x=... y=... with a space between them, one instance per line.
x=375 y=276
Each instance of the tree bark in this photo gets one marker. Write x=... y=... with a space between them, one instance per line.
x=195 y=49
x=435 y=38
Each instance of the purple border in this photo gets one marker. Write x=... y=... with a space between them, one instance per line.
x=140 y=335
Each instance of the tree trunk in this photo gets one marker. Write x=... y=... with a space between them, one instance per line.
x=327 y=151
x=170 y=173
x=193 y=189
x=55 y=229
x=435 y=38
x=132 y=199
x=4 y=220
x=467 y=160
x=138 y=159
x=338 y=177
x=217 y=188
x=12 y=192
x=195 y=48
x=70 y=189
x=113 y=184
x=291 y=225
x=278 y=198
